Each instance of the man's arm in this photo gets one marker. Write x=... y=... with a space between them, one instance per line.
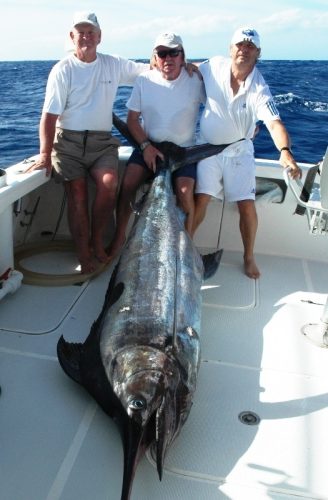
x=281 y=140
x=150 y=153
x=47 y=131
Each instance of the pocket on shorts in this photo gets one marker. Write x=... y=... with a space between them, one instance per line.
x=67 y=143
x=114 y=141
x=102 y=143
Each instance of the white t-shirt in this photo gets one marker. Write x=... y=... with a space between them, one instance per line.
x=82 y=94
x=227 y=118
x=169 y=108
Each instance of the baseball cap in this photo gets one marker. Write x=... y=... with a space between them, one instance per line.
x=169 y=40
x=85 y=17
x=246 y=35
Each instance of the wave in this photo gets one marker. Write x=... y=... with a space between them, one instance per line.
x=290 y=98
x=23 y=85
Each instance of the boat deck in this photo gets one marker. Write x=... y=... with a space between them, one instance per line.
x=57 y=444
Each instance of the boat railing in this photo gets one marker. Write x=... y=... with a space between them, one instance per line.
x=312 y=196
x=16 y=184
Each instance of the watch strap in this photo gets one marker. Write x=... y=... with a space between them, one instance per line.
x=144 y=144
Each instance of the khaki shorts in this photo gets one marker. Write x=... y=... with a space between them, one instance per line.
x=75 y=153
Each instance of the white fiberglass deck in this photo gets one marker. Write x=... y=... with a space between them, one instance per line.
x=56 y=444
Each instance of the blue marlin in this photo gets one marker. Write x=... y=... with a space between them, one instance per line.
x=141 y=359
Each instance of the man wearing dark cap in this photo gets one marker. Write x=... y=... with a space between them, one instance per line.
x=237 y=97
x=75 y=134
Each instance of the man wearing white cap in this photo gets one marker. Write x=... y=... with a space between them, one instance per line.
x=75 y=134
x=168 y=101
x=237 y=97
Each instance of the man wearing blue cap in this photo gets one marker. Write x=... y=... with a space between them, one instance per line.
x=237 y=97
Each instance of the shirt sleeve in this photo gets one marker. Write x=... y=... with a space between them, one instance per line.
x=56 y=91
x=204 y=68
x=269 y=111
x=130 y=70
x=266 y=107
x=134 y=101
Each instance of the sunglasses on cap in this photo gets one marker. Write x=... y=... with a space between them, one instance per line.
x=171 y=52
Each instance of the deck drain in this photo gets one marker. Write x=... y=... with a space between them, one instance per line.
x=249 y=418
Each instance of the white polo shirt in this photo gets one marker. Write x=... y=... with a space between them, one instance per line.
x=227 y=118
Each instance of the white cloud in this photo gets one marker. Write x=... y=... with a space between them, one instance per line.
x=129 y=27
x=294 y=19
x=193 y=26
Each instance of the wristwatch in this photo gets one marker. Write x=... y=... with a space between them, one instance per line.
x=144 y=144
x=286 y=148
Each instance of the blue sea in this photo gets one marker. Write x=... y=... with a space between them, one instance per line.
x=299 y=89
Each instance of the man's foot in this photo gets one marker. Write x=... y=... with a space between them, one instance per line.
x=102 y=256
x=251 y=269
x=89 y=266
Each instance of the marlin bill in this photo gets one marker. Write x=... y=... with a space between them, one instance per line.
x=141 y=359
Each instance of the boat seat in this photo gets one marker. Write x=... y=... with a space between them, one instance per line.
x=312 y=196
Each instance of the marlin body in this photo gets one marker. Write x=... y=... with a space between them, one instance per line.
x=141 y=359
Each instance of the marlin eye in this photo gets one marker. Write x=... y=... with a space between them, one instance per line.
x=137 y=404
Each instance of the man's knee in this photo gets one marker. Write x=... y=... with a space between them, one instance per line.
x=202 y=200
x=185 y=201
x=246 y=207
x=76 y=190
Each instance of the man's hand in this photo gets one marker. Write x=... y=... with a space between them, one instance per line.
x=193 y=68
x=44 y=161
x=150 y=155
x=287 y=161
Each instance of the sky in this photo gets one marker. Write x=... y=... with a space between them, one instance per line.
x=289 y=29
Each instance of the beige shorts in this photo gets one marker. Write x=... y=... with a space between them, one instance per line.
x=75 y=153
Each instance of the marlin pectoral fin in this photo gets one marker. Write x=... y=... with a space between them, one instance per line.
x=108 y=296
x=114 y=292
x=69 y=355
x=211 y=263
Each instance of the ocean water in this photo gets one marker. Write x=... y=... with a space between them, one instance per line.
x=298 y=87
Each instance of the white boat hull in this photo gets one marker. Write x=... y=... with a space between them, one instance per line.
x=57 y=444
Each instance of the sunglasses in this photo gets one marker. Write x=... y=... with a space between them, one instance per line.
x=162 y=54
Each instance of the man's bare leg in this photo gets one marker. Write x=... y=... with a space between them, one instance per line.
x=184 y=190
x=201 y=202
x=103 y=207
x=78 y=220
x=134 y=176
x=248 y=228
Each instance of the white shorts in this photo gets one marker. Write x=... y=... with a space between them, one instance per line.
x=232 y=177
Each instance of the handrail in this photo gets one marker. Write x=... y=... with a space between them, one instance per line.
x=317 y=215
x=292 y=183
